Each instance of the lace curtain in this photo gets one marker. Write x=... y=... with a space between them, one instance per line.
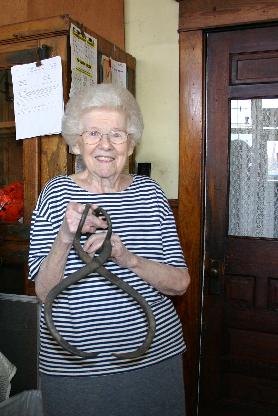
x=253 y=191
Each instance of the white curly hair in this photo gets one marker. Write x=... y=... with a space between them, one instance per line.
x=107 y=96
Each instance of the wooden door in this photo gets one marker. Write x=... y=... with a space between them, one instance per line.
x=239 y=358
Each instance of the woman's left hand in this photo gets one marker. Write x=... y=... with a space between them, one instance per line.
x=120 y=254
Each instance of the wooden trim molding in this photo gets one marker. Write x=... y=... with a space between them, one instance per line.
x=200 y=14
x=190 y=209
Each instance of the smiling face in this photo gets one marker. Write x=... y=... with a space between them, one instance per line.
x=104 y=160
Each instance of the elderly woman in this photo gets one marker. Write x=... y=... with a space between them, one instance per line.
x=103 y=126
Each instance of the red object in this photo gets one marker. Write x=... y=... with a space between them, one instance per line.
x=11 y=202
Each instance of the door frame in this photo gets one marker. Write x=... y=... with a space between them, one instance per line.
x=195 y=18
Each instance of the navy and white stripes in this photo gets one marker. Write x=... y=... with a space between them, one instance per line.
x=93 y=314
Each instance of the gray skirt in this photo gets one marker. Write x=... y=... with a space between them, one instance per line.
x=157 y=390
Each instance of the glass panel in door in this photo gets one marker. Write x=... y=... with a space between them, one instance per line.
x=253 y=188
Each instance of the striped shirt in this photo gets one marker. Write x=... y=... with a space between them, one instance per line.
x=92 y=314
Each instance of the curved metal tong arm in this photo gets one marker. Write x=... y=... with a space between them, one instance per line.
x=96 y=265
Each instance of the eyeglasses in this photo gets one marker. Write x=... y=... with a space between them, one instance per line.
x=94 y=136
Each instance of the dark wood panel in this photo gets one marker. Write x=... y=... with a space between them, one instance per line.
x=14 y=247
x=241 y=387
x=240 y=290
x=273 y=294
x=238 y=261
x=245 y=91
x=244 y=343
x=31 y=170
x=13 y=252
x=250 y=367
x=11 y=166
x=6 y=102
x=246 y=318
x=254 y=68
x=14 y=232
x=19 y=57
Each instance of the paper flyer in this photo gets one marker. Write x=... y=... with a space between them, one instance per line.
x=38 y=98
x=83 y=60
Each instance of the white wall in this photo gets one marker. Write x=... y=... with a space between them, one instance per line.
x=151 y=37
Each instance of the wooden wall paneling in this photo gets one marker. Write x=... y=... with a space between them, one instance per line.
x=104 y=17
x=190 y=200
x=200 y=14
x=59 y=47
x=54 y=158
x=10 y=156
x=31 y=170
x=33 y=29
x=54 y=151
x=12 y=12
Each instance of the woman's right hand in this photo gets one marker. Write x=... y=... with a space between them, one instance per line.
x=72 y=218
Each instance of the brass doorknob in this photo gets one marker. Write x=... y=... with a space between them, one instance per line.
x=213 y=272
